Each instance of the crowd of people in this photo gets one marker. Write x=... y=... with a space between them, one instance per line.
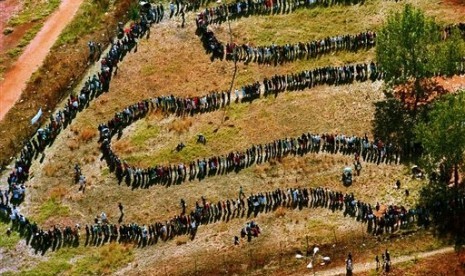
x=376 y=151
x=243 y=8
x=278 y=54
x=96 y=85
x=102 y=230
x=251 y=229
x=99 y=83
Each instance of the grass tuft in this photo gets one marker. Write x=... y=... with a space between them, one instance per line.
x=33 y=11
x=51 y=208
x=103 y=260
x=8 y=242
x=87 y=134
x=87 y=20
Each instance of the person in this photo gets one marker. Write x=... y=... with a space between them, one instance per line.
x=82 y=183
x=388 y=260
x=349 y=265
x=407 y=193
x=358 y=167
x=241 y=192
x=120 y=206
x=183 y=206
x=377 y=262
x=398 y=184
x=180 y=146
x=201 y=139
x=171 y=9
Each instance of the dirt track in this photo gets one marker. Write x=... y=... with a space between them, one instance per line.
x=34 y=54
x=365 y=267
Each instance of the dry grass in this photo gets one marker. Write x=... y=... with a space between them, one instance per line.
x=345 y=109
x=73 y=144
x=58 y=193
x=446 y=264
x=183 y=69
x=87 y=134
x=180 y=126
x=50 y=83
x=310 y=24
x=50 y=169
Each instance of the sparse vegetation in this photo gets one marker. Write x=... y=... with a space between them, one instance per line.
x=90 y=17
x=28 y=36
x=52 y=208
x=8 y=242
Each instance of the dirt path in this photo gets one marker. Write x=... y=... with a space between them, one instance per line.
x=34 y=54
x=359 y=268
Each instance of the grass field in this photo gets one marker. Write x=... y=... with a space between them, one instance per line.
x=173 y=61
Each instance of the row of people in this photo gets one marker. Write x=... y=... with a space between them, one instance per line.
x=375 y=151
x=45 y=136
x=278 y=54
x=102 y=230
x=243 y=8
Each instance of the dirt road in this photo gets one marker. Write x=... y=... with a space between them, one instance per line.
x=365 y=267
x=33 y=56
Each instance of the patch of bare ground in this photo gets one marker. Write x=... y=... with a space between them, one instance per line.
x=434 y=87
x=15 y=259
x=452 y=263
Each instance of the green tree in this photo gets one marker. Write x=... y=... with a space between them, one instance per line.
x=411 y=48
x=442 y=135
x=443 y=138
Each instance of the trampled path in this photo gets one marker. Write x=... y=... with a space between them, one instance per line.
x=369 y=266
x=33 y=56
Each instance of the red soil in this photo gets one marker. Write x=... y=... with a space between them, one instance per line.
x=436 y=87
x=7 y=9
x=16 y=77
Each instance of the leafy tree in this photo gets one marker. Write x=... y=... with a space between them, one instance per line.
x=411 y=47
x=445 y=207
x=443 y=138
x=392 y=123
x=442 y=135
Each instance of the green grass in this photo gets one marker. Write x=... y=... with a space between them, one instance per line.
x=51 y=208
x=306 y=24
x=103 y=260
x=28 y=36
x=56 y=264
x=82 y=261
x=87 y=19
x=320 y=22
x=8 y=242
x=144 y=132
x=33 y=11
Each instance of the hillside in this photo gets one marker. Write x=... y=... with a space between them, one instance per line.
x=173 y=61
